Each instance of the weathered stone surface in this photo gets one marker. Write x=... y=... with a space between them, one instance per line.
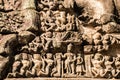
x=59 y=39
x=8 y=43
x=24 y=37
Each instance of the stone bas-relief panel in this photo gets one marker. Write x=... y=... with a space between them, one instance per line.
x=59 y=39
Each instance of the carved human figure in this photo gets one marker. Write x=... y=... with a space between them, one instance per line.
x=50 y=21
x=109 y=70
x=38 y=66
x=12 y=4
x=16 y=67
x=97 y=39
x=1 y=5
x=97 y=61
x=117 y=65
x=48 y=67
x=35 y=45
x=46 y=40
x=79 y=65
x=70 y=60
x=26 y=64
x=106 y=41
x=60 y=20
x=58 y=65
x=71 y=22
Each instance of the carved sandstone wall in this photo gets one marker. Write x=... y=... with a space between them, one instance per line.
x=60 y=38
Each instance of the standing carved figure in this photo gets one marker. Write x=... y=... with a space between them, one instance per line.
x=79 y=65
x=70 y=60
x=58 y=65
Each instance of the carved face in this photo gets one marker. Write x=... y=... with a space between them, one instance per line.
x=36 y=56
x=98 y=56
x=49 y=55
x=17 y=57
x=24 y=56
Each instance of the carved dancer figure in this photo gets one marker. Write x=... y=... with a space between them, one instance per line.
x=97 y=62
x=109 y=70
x=79 y=65
x=70 y=60
x=26 y=64
x=16 y=67
x=48 y=66
x=38 y=65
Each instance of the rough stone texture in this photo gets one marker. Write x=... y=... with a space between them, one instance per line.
x=59 y=39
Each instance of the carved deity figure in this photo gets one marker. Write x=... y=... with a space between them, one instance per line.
x=70 y=60
x=79 y=65
x=16 y=67
x=97 y=61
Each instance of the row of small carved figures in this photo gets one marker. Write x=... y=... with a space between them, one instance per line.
x=48 y=65
x=59 y=65
x=105 y=66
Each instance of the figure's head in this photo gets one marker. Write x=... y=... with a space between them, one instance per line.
x=97 y=36
x=25 y=56
x=98 y=56
x=108 y=58
x=17 y=57
x=49 y=35
x=49 y=55
x=106 y=37
x=37 y=56
x=37 y=40
x=69 y=47
x=79 y=54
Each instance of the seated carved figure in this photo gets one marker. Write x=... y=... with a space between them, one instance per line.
x=97 y=61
